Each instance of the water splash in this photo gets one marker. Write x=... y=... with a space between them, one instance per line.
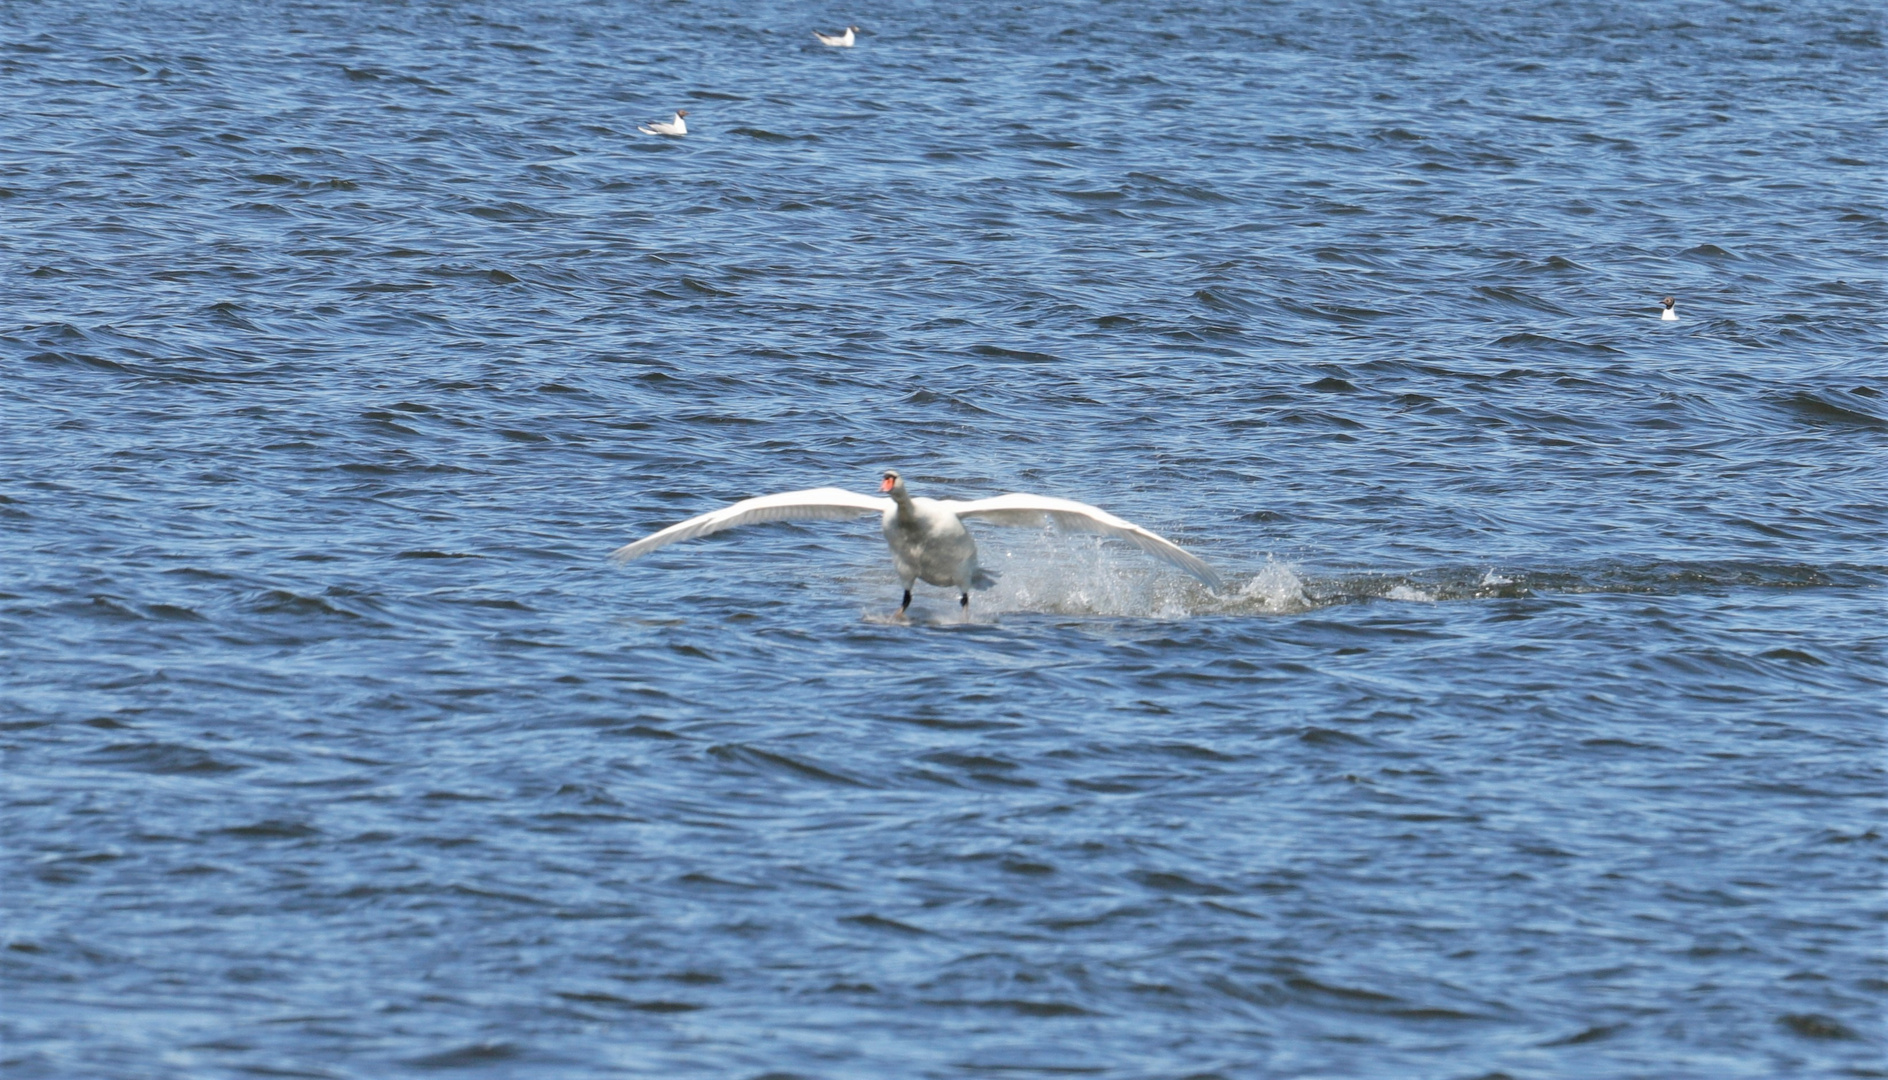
x=1275 y=589
x=1062 y=574
x=1050 y=573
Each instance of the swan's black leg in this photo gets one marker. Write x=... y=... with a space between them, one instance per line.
x=906 y=604
x=965 y=604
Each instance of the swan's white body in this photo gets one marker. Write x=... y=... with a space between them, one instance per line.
x=677 y=126
x=927 y=536
x=837 y=41
x=1669 y=315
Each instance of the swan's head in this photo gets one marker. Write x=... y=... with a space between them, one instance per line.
x=893 y=482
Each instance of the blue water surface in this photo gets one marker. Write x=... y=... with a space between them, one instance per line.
x=1539 y=731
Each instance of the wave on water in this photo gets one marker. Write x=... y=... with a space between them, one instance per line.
x=1051 y=574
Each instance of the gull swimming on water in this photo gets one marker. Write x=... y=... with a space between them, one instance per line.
x=927 y=536
x=1669 y=315
x=837 y=41
x=677 y=126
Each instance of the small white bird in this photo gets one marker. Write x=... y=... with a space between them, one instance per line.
x=837 y=41
x=927 y=536
x=677 y=126
x=1669 y=315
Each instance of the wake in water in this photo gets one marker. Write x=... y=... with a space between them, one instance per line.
x=1054 y=574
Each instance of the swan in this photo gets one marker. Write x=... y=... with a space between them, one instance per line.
x=837 y=41
x=1669 y=315
x=927 y=536
x=677 y=126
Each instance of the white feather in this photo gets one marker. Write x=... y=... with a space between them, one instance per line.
x=816 y=504
x=927 y=537
x=1041 y=510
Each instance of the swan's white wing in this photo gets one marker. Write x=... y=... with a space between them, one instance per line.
x=1040 y=510
x=818 y=504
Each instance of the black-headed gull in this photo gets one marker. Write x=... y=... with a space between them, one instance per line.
x=677 y=126
x=1669 y=315
x=837 y=41
x=927 y=536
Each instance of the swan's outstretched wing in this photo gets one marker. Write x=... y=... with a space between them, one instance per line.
x=818 y=504
x=1040 y=510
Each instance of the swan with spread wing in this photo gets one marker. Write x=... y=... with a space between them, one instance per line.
x=927 y=536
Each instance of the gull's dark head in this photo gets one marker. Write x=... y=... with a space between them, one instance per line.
x=681 y=112
x=1669 y=301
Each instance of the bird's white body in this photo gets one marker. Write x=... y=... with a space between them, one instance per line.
x=927 y=536
x=930 y=544
x=677 y=126
x=837 y=41
x=1669 y=314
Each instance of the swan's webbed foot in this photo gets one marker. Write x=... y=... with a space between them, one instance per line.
x=899 y=615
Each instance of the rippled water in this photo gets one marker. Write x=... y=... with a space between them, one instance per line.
x=1541 y=735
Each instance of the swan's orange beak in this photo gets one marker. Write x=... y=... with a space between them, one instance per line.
x=887 y=485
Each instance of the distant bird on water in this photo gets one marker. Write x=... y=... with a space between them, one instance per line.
x=927 y=536
x=677 y=126
x=1669 y=315
x=837 y=41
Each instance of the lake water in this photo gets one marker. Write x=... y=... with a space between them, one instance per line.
x=1539 y=734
